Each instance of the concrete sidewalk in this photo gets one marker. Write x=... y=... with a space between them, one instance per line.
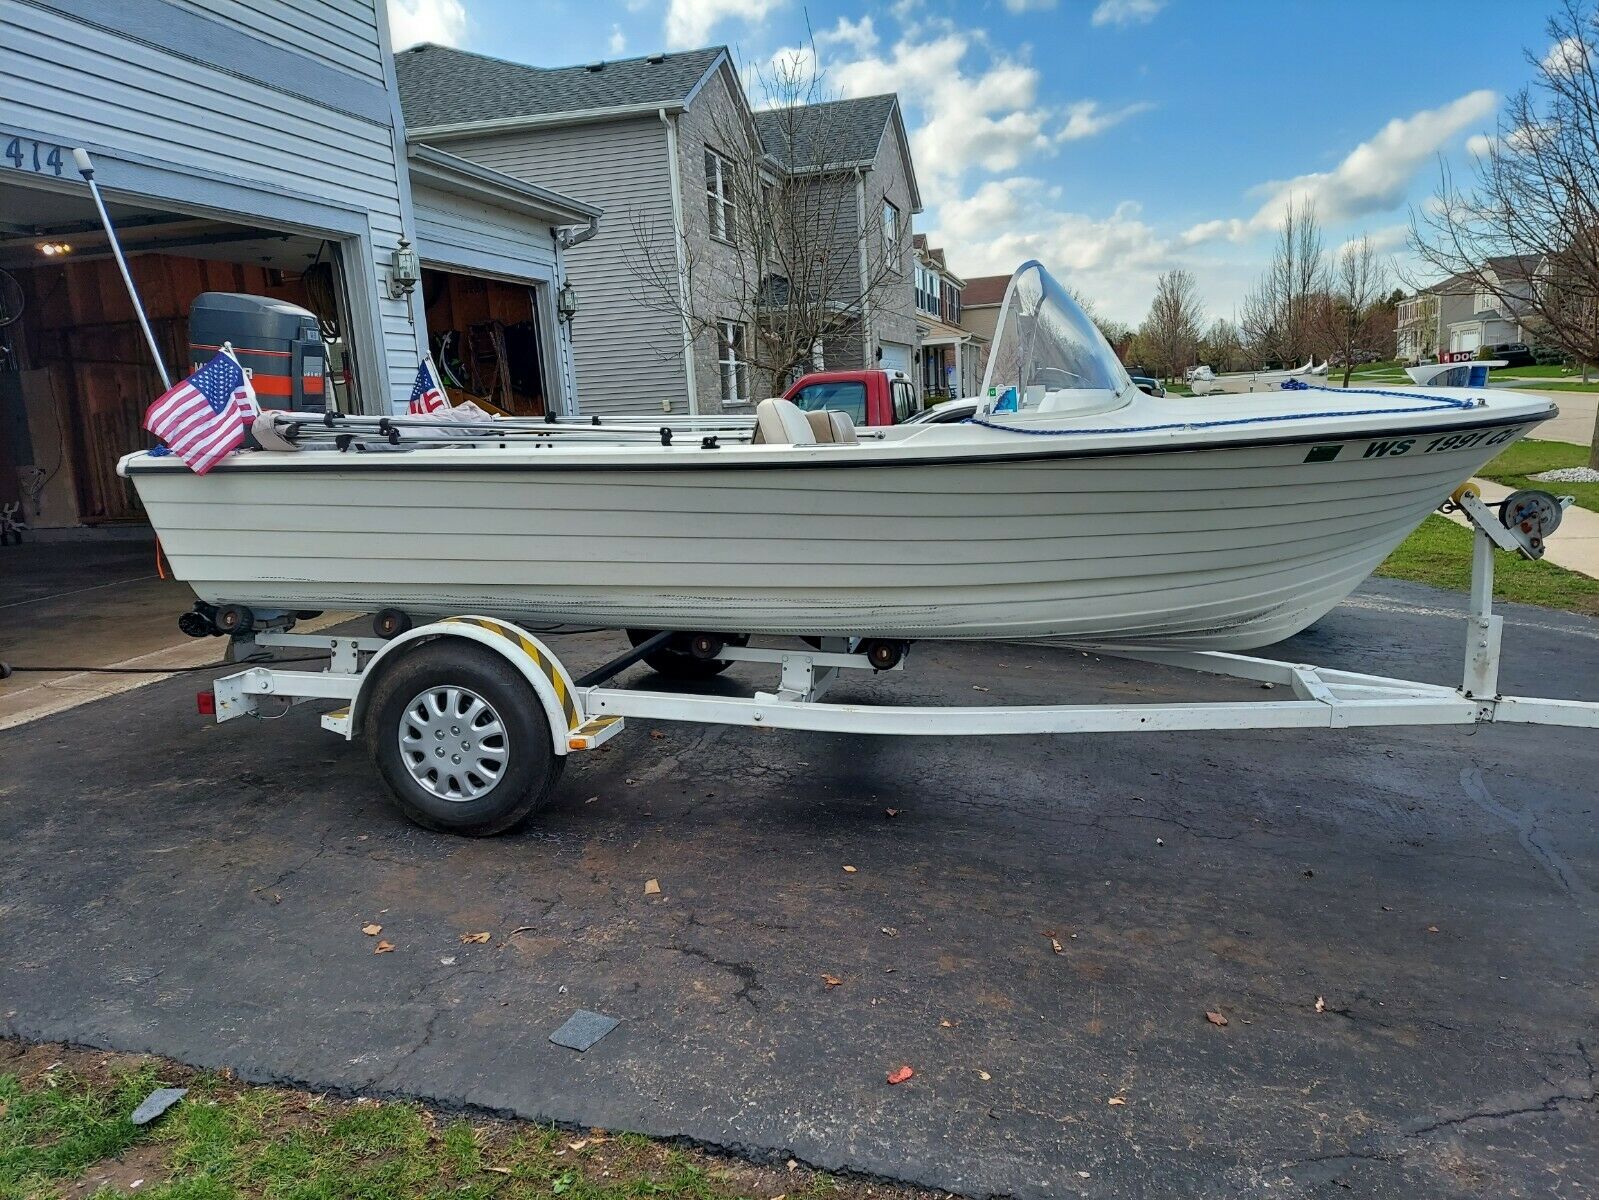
x=1575 y=546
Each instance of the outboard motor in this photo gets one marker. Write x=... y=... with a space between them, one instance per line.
x=278 y=344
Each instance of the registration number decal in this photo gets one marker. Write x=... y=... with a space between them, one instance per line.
x=1394 y=447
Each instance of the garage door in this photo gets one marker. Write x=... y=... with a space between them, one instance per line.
x=896 y=357
x=1465 y=339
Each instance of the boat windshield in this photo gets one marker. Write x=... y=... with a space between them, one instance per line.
x=1048 y=356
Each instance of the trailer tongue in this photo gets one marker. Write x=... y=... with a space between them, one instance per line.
x=470 y=719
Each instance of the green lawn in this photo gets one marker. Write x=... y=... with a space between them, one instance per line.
x=1439 y=554
x=65 y=1132
x=1549 y=372
x=1514 y=467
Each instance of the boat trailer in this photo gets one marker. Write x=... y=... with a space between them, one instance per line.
x=470 y=719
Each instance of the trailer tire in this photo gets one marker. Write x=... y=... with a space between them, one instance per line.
x=506 y=766
x=680 y=664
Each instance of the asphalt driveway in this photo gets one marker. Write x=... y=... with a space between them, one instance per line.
x=1398 y=928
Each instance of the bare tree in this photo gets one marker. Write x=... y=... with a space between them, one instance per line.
x=1223 y=348
x=1170 y=333
x=1526 y=230
x=1359 y=279
x=1280 y=314
x=782 y=260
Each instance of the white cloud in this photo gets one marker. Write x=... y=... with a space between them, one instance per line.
x=442 y=22
x=1112 y=260
x=1085 y=118
x=1021 y=6
x=857 y=36
x=1568 y=56
x=618 y=39
x=1373 y=177
x=689 y=22
x=1126 y=12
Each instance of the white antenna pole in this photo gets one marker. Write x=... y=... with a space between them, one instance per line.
x=86 y=169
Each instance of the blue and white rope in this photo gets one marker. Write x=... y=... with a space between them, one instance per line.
x=1434 y=404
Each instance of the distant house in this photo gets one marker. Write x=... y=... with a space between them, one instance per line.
x=952 y=356
x=1466 y=312
x=660 y=143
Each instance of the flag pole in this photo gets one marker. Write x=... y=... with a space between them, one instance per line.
x=86 y=169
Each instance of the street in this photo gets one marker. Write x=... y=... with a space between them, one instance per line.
x=1398 y=929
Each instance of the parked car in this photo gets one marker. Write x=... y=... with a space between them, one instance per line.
x=1515 y=354
x=866 y=397
x=950 y=412
x=1149 y=385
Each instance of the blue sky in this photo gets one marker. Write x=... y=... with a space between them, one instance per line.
x=1110 y=138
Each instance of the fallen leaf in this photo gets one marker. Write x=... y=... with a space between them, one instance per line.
x=892 y=812
x=792 y=1165
x=1215 y=1018
x=977 y=687
x=371 y=930
x=474 y=939
x=946 y=1023
x=591 y=800
x=499 y=1170
x=900 y=1075
x=831 y=981
x=652 y=887
x=447 y=961
x=1054 y=944
x=888 y=931
x=984 y=1076
x=1432 y=929
x=657 y=735
x=577 y=1145
x=1321 y=1005
x=848 y=870
x=384 y=948
x=1160 y=841
x=1116 y=1101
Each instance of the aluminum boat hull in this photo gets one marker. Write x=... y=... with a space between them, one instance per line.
x=1223 y=544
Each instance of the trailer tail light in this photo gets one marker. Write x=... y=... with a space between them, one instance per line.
x=206 y=703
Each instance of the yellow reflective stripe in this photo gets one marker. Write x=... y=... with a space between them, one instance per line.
x=529 y=648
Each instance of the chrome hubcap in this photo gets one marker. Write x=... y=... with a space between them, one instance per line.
x=453 y=743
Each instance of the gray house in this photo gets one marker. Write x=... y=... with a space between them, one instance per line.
x=656 y=142
x=1464 y=313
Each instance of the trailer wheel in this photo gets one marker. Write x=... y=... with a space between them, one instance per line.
x=676 y=662
x=461 y=740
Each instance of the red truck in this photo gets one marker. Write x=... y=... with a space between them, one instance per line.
x=868 y=397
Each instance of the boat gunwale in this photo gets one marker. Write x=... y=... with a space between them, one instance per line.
x=139 y=463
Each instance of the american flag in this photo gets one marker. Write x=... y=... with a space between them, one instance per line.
x=204 y=418
x=426 y=394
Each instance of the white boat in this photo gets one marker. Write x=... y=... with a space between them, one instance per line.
x=1073 y=505
x=1205 y=382
x=1469 y=372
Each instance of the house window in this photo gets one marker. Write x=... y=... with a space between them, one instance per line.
x=733 y=367
x=954 y=306
x=926 y=290
x=719 y=195
x=890 y=235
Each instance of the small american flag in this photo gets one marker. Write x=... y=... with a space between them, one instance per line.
x=426 y=395
x=204 y=418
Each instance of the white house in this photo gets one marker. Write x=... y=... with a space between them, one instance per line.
x=243 y=147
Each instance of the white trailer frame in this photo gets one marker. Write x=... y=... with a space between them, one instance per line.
x=583 y=714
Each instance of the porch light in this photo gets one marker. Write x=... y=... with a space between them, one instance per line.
x=51 y=249
x=566 y=301
x=405 y=270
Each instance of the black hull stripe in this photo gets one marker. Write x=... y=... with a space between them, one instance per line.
x=706 y=459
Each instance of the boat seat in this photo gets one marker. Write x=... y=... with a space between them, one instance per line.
x=829 y=425
x=781 y=422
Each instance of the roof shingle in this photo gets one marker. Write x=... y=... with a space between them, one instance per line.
x=832 y=134
x=440 y=85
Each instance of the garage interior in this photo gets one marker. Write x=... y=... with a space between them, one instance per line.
x=484 y=337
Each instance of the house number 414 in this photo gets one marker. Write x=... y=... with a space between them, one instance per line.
x=35 y=156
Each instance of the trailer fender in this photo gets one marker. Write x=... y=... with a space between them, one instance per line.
x=542 y=670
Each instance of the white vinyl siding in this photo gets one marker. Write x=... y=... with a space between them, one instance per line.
x=339 y=33
x=80 y=84
x=627 y=349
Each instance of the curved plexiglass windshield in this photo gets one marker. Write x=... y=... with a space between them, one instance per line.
x=1047 y=355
